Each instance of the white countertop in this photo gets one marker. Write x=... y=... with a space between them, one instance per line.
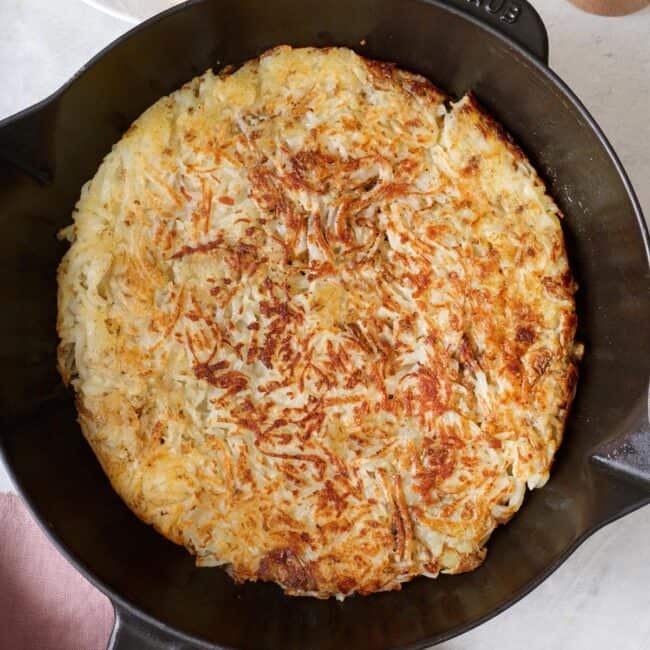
x=600 y=598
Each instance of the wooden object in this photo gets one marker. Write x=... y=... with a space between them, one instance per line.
x=611 y=7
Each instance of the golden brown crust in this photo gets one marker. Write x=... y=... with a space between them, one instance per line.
x=320 y=323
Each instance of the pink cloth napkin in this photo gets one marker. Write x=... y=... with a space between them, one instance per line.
x=44 y=603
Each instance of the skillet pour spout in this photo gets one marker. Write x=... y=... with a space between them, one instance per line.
x=627 y=456
x=497 y=49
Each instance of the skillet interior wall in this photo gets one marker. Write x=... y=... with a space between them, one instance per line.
x=64 y=143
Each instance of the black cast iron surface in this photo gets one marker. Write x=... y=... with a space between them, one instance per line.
x=48 y=152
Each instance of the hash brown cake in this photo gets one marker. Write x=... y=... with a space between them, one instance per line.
x=320 y=323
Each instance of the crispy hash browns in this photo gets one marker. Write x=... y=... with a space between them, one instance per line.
x=320 y=323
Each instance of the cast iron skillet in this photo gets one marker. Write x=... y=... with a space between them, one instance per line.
x=498 y=48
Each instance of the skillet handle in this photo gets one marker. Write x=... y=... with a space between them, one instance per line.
x=628 y=456
x=25 y=141
x=133 y=633
x=516 y=19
